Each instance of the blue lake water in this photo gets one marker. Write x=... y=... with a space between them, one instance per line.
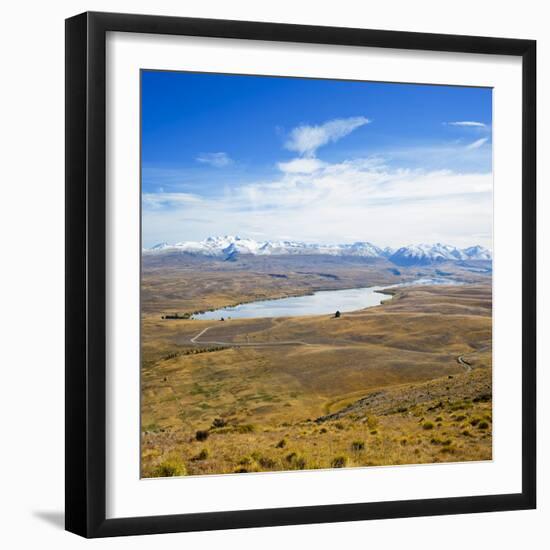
x=323 y=302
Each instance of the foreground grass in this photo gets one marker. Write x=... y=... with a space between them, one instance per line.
x=421 y=430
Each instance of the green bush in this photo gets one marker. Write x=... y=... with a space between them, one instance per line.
x=281 y=444
x=427 y=426
x=483 y=425
x=358 y=446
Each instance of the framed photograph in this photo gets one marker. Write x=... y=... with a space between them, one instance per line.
x=300 y=274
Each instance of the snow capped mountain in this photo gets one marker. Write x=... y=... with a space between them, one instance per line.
x=424 y=254
x=364 y=249
x=230 y=247
x=283 y=247
x=159 y=247
x=478 y=253
x=387 y=251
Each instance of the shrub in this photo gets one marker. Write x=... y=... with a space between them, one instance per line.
x=475 y=421
x=483 y=425
x=219 y=423
x=466 y=433
x=281 y=444
x=170 y=468
x=439 y=419
x=203 y=455
x=357 y=445
x=296 y=461
x=339 y=426
x=323 y=430
x=202 y=435
x=372 y=422
x=402 y=409
x=427 y=426
x=266 y=462
x=484 y=397
x=460 y=418
x=246 y=460
x=339 y=462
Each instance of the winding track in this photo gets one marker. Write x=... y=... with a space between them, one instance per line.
x=195 y=338
x=462 y=362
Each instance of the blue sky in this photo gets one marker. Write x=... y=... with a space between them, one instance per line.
x=314 y=160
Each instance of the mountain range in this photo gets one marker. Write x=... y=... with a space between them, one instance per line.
x=229 y=247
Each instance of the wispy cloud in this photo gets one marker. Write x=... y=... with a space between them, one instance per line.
x=477 y=144
x=468 y=124
x=160 y=200
x=219 y=160
x=301 y=166
x=360 y=197
x=305 y=139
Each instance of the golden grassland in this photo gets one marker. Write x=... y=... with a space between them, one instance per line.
x=374 y=387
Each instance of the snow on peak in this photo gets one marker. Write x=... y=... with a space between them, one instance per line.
x=230 y=246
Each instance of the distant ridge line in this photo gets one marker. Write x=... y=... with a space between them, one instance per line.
x=230 y=247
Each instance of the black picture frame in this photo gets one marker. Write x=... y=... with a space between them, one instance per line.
x=86 y=279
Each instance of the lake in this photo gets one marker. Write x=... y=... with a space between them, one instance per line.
x=323 y=302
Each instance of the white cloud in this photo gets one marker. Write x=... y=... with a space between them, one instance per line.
x=468 y=123
x=219 y=160
x=361 y=198
x=477 y=144
x=301 y=165
x=305 y=140
x=160 y=200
